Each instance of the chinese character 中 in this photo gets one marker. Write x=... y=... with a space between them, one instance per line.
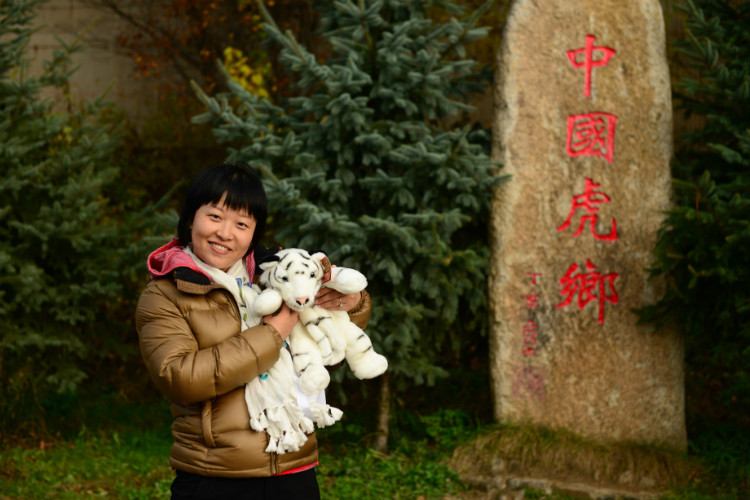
x=588 y=201
x=588 y=62
x=592 y=134
x=585 y=286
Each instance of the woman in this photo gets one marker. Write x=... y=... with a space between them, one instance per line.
x=200 y=351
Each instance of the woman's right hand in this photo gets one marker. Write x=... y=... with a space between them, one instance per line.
x=283 y=320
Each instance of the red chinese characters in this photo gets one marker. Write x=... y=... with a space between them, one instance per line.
x=592 y=134
x=532 y=301
x=529 y=382
x=533 y=277
x=588 y=286
x=589 y=202
x=530 y=328
x=589 y=62
x=589 y=134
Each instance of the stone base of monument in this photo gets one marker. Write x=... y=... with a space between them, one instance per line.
x=506 y=487
x=505 y=462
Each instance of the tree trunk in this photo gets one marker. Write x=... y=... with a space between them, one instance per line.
x=384 y=414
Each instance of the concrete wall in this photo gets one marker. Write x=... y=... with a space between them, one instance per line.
x=99 y=65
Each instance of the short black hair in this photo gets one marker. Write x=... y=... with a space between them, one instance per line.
x=243 y=190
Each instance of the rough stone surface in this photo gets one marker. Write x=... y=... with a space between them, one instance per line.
x=514 y=487
x=586 y=366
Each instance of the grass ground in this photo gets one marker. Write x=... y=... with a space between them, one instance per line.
x=129 y=461
x=120 y=450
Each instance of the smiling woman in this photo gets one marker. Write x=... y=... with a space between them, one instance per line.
x=218 y=190
x=221 y=236
x=202 y=346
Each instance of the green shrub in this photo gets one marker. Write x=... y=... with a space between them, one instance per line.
x=373 y=160
x=702 y=249
x=69 y=252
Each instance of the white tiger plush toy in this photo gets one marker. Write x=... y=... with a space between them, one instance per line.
x=320 y=337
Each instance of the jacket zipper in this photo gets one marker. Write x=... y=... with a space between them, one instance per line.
x=235 y=307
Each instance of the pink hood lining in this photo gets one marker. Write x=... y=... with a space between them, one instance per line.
x=169 y=257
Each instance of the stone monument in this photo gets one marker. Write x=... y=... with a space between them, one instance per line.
x=583 y=123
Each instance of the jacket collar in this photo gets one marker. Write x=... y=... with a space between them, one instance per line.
x=170 y=259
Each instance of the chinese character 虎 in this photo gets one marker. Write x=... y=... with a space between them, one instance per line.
x=592 y=134
x=588 y=201
x=585 y=285
x=588 y=62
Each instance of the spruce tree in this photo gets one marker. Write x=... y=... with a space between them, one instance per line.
x=703 y=246
x=65 y=255
x=373 y=161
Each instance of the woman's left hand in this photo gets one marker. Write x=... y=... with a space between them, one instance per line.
x=330 y=299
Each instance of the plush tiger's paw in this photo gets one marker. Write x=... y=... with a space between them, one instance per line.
x=368 y=365
x=267 y=302
x=347 y=280
x=314 y=379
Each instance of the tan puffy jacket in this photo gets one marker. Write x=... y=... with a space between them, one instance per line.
x=191 y=342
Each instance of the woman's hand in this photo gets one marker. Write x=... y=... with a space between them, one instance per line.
x=283 y=320
x=330 y=299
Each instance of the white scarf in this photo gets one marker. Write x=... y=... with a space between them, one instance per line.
x=271 y=397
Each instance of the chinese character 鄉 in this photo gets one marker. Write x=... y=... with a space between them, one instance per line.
x=586 y=285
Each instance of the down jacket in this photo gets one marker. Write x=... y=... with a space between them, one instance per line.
x=197 y=355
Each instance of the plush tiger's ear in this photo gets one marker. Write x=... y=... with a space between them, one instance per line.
x=261 y=252
x=270 y=258
x=321 y=258
x=318 y=256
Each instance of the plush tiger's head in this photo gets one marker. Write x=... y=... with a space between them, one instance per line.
x=295 y=275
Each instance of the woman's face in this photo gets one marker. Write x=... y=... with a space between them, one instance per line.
x=221 y=236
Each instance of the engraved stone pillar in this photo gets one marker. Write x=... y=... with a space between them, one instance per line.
x=583 y=123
